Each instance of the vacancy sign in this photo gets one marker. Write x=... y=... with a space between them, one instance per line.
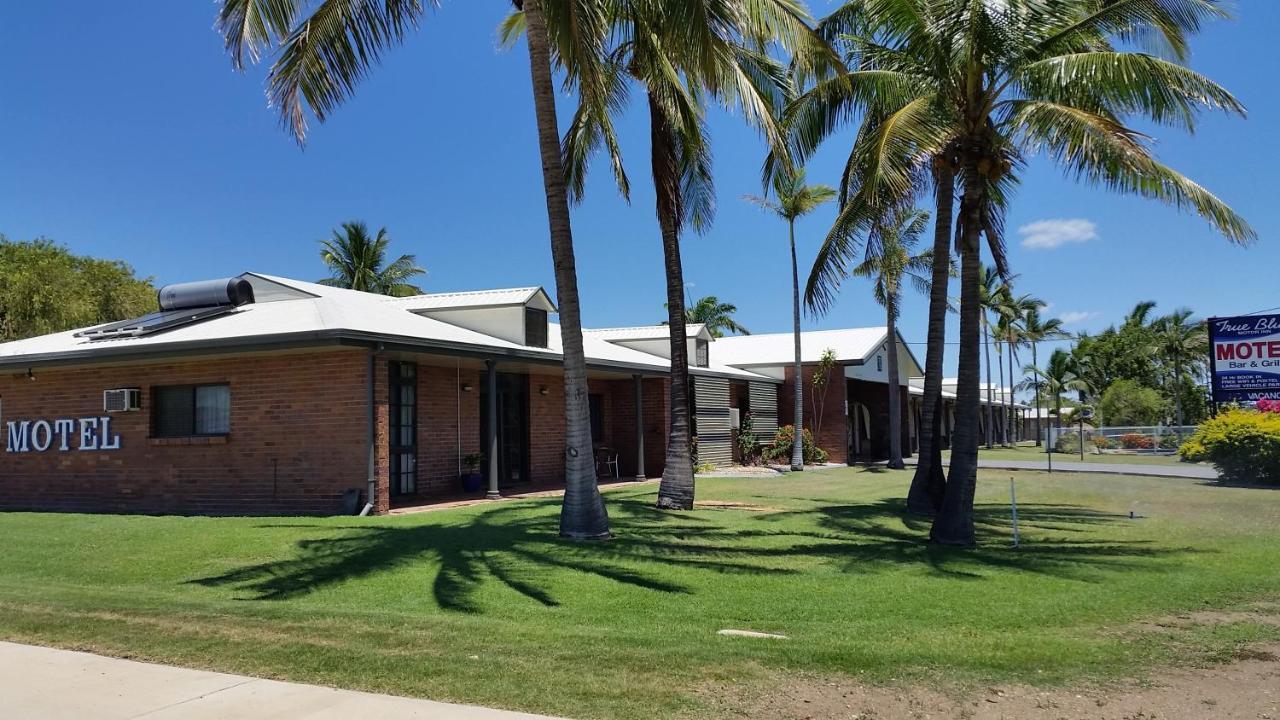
x=1245 y=357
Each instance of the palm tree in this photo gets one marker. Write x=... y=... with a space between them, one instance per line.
x=1058 y=376
x=1036 y=331
x=795 y=199
x=992 y=296
x=684 y=53
x=1182 y=343
x=989 y=84
x=1010 y=332
x=358 y=262
x=889 y=261
x=324 y=49
x=716 y=315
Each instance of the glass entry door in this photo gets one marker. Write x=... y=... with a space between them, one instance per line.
x=403 y=387
x=513 y=427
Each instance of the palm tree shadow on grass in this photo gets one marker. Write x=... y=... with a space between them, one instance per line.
x=515 y=545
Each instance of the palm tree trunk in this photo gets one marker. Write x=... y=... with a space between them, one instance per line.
x=1009 y=436
x=1035 y=363
x=675 y=492
x=1177 y=399
x=797 y=447
x=895 y=392
x=582 y=515
x=954 y=522
x=986 y=344
x=1000 y=437
x=929 y=483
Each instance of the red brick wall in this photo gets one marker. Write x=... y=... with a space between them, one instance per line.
x=297 y=440
x=546 y=425
x=832 y=434
x=621 y=425
x=448 y=425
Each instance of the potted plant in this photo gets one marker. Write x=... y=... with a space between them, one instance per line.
x=472 y=478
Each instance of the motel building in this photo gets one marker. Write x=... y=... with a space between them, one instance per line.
x=262 y=395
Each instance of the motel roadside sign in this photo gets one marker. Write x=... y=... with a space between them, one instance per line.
x=1244 y=358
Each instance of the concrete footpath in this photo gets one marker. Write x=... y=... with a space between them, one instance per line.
x=38 y=683
x=1190 y=472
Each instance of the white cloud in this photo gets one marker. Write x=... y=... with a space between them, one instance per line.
x=1073 y=317
x=1049 y=234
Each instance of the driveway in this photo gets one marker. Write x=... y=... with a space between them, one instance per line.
x=38 y=683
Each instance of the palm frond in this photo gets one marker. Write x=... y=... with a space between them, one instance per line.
x=1126 y=84
x=250 y=26
x=328 y=53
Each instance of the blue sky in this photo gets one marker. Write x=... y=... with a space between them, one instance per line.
x=125 y=133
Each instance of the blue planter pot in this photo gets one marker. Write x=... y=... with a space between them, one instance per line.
x=472 y=482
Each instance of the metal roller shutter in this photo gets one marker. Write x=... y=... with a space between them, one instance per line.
x=764 y=409
x=711 y=412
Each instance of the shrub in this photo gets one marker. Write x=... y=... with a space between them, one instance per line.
x=1126 y=402
x=748 y=445
x=785 y=439
x=1102 y=442
x=1169 y=442
x=1243 y=444
x=1137 y=441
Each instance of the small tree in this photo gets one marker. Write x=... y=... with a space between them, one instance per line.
x=818 y=400
x=1127 y=402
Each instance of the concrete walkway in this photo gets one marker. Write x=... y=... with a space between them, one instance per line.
x=1186 y=471
x=38 y=683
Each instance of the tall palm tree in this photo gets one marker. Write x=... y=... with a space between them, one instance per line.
x=325 y=48
x=795 y=199
x=993 y=293
x=1182 y=343
x=888 y=263
x=995 y=83
x=1058 y=376
x=358 y=262
x=683 y=54
x=717 y=316
x=1036 y=330
x=1010 y=334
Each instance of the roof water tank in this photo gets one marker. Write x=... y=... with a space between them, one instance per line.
x=206 y=293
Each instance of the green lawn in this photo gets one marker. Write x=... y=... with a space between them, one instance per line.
x=1036 y=454
x=484 y=605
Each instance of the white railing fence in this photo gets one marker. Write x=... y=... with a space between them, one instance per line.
x=1155 y=439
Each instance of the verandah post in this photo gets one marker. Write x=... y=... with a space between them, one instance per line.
x=639 y=387
x=491 y=386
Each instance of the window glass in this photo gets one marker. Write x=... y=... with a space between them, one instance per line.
x=535 y=327
x=213 y=410
x=186 y=410
x=701 y=358
x=174 y=412
x=596 y=401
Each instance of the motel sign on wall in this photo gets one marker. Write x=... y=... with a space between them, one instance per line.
x=63 y=434
x=1245 y=357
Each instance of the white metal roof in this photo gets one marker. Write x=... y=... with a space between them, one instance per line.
x=474 y=298
x=304 y=312
x=322 y=311
x=850 y=345
x=646 y=332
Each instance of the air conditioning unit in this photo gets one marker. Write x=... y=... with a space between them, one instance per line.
x=122 y=400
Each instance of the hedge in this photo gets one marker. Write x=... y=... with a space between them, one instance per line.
x=1243 y=444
